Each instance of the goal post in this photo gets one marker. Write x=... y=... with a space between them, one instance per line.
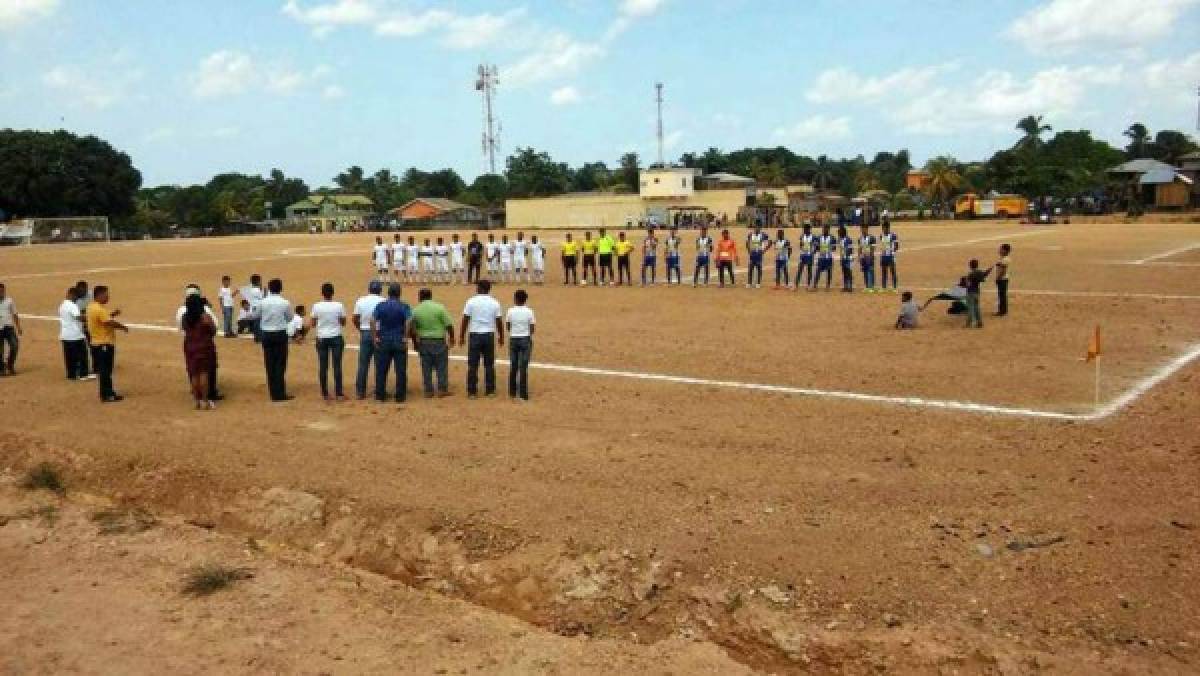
x=66 y=230
x=16 y=233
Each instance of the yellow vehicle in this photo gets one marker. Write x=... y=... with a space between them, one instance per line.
x=971 y=205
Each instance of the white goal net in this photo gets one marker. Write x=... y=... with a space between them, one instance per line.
x=17 y=233
x=76 y=229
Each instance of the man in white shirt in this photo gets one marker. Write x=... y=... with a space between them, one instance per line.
x=364 y=310
x=481 y=330
x=519 y=265
x=427 y=266
x=10 y=332
x=493 y=255
x=226 y=293
x=521 y=323
x=328 y=318
x=253 y=293
x=457 y=258
x=506 y=259
x=275 y=313
x=413 y=258
x=397 y=257
x=74 y=343
x=441 y=257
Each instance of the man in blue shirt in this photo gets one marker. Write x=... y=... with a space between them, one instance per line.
x=390 y=331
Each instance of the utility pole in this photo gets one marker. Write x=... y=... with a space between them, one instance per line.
x=486 y=82
x=658 y=87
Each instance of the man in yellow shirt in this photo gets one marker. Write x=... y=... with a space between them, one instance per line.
x=588 y=246
x=103 y=326
x=624 y=247
x=570 y=254
x=605 y=246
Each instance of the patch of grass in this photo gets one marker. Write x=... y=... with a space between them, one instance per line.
x=47 y=513
x=123 y=520
x=44 y=477
x=213 y=577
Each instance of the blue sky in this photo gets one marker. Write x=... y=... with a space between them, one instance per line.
x=191 y=88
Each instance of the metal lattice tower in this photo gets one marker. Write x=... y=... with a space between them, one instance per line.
x=486 y=82
x=658 y=87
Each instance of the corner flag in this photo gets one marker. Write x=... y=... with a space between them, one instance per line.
x=1093 y=350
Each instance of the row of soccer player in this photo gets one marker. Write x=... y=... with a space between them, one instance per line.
x=449 y=263
x=816 y=252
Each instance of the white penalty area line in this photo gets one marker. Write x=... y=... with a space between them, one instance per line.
x=284 y=254
x=1141 y=387
x=1165 y=254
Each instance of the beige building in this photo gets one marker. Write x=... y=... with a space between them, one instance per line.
x=664 y=193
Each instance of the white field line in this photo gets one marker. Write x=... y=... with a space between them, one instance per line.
x=1126 y=398
x=286 y=253
x=1166 y=254
x=1081 y=294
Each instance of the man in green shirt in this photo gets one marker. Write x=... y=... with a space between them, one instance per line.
x=604 y=247
x=429 y=329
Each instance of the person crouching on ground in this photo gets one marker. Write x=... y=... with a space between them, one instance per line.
x=909 y=310
x=956 y=295
x=199 y=349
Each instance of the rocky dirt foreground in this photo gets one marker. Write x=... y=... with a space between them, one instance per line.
x=100 y=585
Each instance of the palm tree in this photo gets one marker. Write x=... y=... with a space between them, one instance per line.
x=866 y=179
x=1033 y=128
x=823 y=173
x=944 y=179
x=1139 y=140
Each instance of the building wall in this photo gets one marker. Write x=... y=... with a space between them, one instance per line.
x=612 y=211
x=1172 y=194
x=675 y=183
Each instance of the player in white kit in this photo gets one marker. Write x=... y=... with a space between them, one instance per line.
x=492 y=249
x=457 y=259
x=427 y=267
x=381 y=258
x=412 y=260
x=520 y=267
x=506 y=259
x=441 y=259
x=397 y=257
x=537 y=253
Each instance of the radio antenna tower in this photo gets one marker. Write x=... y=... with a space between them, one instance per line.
x=488 y=79
x=658 y=87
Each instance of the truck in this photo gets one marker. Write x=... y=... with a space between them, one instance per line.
x=970 y=205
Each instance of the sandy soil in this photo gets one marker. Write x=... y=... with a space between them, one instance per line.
x=793 y=532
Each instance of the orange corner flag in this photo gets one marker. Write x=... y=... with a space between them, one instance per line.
x=1093 y=349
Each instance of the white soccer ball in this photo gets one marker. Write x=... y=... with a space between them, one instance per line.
x=583 y=283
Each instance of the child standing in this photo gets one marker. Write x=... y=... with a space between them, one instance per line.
x=975 y=278
x=226 y=293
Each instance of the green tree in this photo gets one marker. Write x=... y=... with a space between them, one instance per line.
x=823 y=174
x=944 y=179
x=631 y=166
x=534 y=174
x=1171 y=145
x=282 y=192
x=55 y=174
x=1032 y=127
x=487 y=190
x=351 y=180
x=590 y=177
x=444 y=183
x=1139 y=141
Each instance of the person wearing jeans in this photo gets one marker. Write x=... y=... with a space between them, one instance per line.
x=481 y=330
x=226 y=294
x=390 y=331
x=364 y=314
x=328 y=320
x=1002 y=280
x=103 y=327
x=521 y=323
x=10 y=331
x=430 y=330
x=975 y=279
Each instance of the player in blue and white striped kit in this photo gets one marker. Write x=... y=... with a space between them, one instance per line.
x=846 y=249
x=826 y=248
x=783 y=254
x=866 y=259
x=808 y=245
x=890 y=243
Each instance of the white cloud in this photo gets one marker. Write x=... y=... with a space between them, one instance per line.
x=15 y=14
x=997 y=99
x=230 y=73
x=640 y=7
x=324 y=18
x=460 y=31
x=1174 y=79
x=842 y=84
x=224 y=73
x=333 y=92
x=558 y=55
x=565 y=96
x=1060 y=25
x=411 y=25
x=816 y=128
x=89 y=89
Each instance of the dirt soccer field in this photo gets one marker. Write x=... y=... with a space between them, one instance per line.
x=704 y=478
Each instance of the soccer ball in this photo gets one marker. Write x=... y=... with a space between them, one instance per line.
x=583 y=283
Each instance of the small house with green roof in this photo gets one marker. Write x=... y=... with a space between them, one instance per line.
x=330 y=213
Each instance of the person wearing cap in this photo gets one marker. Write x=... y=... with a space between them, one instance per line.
x=189 y=291
x=364 y=313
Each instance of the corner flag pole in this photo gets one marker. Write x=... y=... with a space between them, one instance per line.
x=1093 y=355
x=1097 y=381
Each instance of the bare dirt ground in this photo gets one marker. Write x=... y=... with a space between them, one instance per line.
x=666 y=524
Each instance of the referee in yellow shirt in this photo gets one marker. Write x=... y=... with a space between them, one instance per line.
x=588 y=247
x=570 y=253
x=624 y=247
x=605 y=246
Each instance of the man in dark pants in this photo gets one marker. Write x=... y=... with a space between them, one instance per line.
x=103 y=326
x=390 y=332
x=364 y=318
x=1002 y=280
x=481 y=330
x=274 y=314
x=82 y=298
x=521 y=323
x=474 y=258
x=432 y=333
x=10 y=332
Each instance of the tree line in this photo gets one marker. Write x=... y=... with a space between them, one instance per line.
x=57 y=173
